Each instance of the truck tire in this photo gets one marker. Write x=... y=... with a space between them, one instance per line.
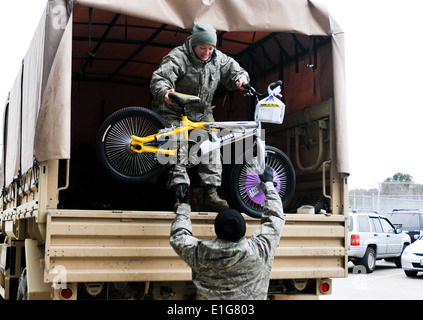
x=22 y=293
x=369 y=260
x=113 y=144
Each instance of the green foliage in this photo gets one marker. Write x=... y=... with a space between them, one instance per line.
x=400 y=177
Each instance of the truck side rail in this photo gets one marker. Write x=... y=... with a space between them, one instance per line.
x=87 y=246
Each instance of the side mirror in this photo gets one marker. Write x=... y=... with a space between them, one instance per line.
x=398 y=230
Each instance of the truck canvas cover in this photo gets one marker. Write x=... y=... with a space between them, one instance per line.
x=124 y=41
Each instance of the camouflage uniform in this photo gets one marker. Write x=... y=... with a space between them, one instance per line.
x=183 y=71
x=231 y=270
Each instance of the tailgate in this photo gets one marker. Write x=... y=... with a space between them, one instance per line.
x=92 y=246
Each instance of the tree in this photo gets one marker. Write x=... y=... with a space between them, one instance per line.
x=398 y=184
x=400 y=177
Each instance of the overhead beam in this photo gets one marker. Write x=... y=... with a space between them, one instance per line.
x=136 y=52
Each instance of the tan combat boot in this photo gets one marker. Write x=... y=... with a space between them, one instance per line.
x=212 y=200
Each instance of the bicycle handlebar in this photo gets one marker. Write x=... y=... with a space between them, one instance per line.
x=253 y=91
x=275 y=84
x=248 y=87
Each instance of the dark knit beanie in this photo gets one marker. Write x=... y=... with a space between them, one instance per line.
x=203 y=34
x=230 y=225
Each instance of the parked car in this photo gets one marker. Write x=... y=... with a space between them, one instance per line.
x=373 y=237
x=412 y=258
x=410 y=221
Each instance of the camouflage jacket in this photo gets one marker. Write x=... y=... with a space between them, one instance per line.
x=231 y=270
x=183 y=71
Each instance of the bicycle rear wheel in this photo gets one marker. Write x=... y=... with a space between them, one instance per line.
x=245 y=182
x=114 y=144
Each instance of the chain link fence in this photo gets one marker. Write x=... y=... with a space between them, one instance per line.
x=384 y=204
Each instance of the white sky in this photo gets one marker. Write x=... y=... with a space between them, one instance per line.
x=384 y=86
x=384 y=79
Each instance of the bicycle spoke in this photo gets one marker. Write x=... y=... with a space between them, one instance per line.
x=118 y=146
x=281 y=175
x=248 y=185
x=248 y=180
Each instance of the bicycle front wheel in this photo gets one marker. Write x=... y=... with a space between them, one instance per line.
x=114 y=144
x=245 y=182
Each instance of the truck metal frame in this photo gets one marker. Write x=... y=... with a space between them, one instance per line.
x=97 y=247
x=71 y=232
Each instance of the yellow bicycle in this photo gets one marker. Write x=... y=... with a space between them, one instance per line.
x=135 y=144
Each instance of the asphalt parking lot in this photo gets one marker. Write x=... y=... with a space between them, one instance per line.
x=386 y=283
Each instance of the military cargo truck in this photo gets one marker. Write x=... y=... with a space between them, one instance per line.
x=71 y=231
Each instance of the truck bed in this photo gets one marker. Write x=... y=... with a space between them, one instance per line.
x=134 y=246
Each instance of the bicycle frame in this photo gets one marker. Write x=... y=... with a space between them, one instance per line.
x=238 y=130
x=138 y=143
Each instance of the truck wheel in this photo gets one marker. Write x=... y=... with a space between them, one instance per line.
x=369 y=260
x=23 y=286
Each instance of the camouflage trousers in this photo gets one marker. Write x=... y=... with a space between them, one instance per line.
x=210 y=174
x=209 y=169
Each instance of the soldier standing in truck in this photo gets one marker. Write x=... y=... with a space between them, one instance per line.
x=196 y=68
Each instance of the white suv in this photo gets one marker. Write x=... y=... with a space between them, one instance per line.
x=372 y=237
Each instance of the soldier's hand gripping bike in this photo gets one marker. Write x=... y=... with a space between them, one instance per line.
x=134 y=145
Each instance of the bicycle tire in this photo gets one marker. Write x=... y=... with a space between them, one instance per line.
x=245 y=187
x=114 y=144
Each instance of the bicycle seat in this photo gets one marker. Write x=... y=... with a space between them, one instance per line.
x=182 y=99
